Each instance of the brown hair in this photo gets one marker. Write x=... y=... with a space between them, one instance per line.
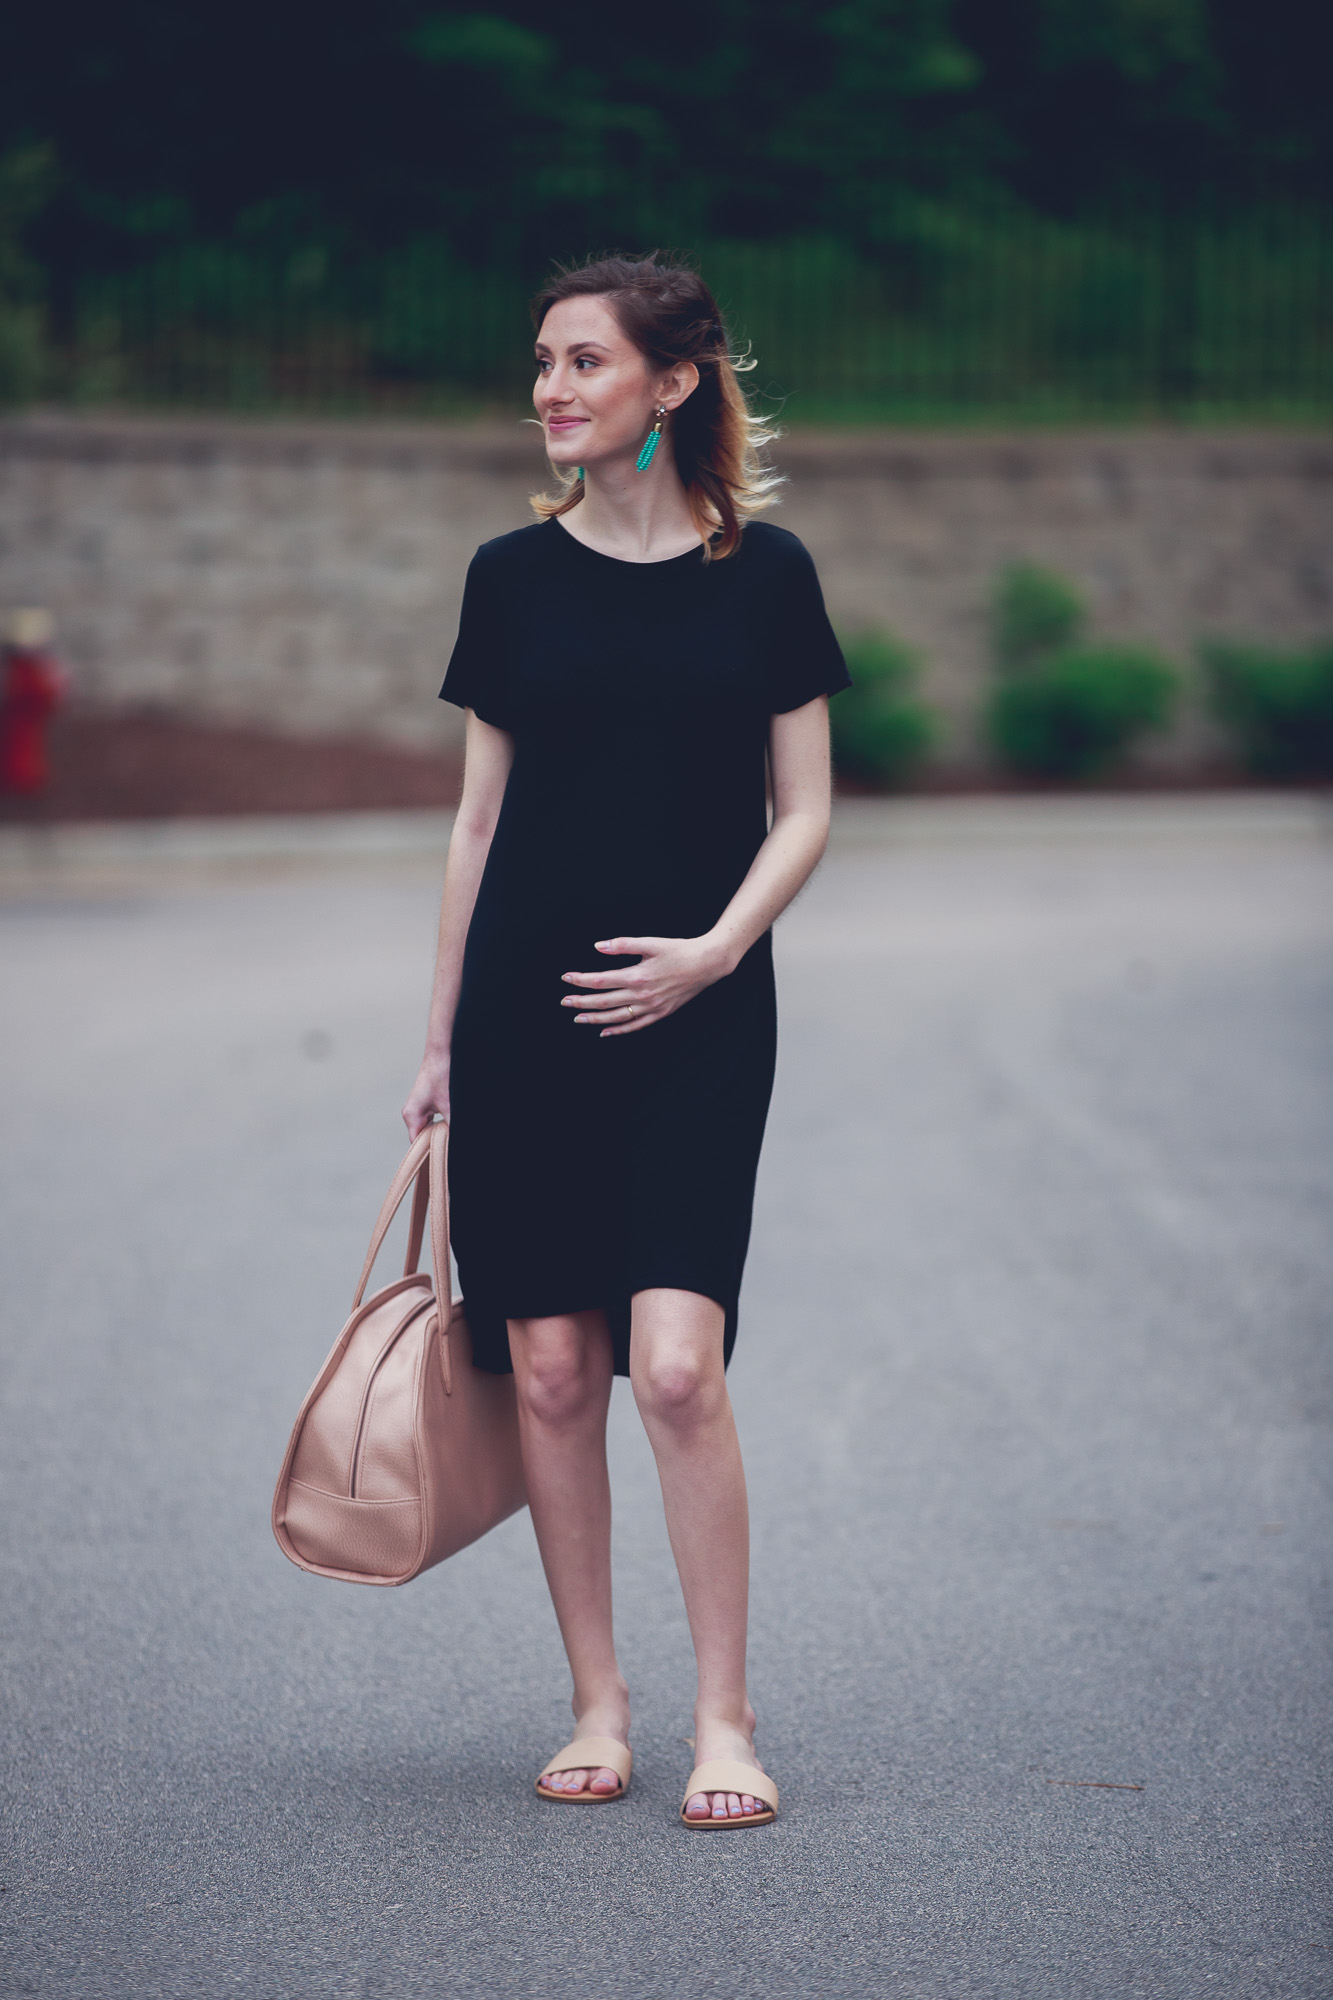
x=668 y=312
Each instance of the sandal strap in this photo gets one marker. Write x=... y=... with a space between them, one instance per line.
x=724 y=1774
x=591 y=1753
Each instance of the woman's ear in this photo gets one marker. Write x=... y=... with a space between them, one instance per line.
x=678 y=383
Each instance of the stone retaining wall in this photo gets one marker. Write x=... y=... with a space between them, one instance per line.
x=305 y=578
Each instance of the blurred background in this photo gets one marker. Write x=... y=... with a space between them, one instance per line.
x=1041 y=292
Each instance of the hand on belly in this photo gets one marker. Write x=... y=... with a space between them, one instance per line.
x=670 y=972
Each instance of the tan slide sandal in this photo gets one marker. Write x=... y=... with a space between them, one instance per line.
x=724 y=1774
x=589 y=1753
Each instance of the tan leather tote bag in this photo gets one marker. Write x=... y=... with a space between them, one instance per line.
x=403 y=1452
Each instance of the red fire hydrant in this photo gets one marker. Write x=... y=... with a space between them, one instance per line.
x=35 y=684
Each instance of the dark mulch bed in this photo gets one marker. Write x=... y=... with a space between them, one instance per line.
x=155 y=767
x=152 y=767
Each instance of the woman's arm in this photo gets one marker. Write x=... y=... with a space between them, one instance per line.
x=490 y=752
x=672 y=970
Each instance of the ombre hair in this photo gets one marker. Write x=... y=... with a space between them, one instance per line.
x=668 y=312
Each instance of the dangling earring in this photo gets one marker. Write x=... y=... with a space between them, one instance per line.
x=579 y=470
x=651 y=442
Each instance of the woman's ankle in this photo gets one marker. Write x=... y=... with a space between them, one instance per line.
x=601 y=1709
x=735 y=1718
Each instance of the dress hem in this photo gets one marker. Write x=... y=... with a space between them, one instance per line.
x=490 y=1327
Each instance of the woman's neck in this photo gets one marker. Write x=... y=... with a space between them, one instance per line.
x=640 y=517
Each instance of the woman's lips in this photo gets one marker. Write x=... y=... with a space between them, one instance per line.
x=564 y=423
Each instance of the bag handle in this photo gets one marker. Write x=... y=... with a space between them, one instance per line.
x=424 y=1170
x=417 y=1226
x=438 y=1190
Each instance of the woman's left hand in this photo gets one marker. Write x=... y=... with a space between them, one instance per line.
x=670 y=972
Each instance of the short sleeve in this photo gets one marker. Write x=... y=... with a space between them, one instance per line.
x=805 y=658
x=475 y=675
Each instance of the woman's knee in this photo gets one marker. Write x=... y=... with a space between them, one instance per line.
x=677 y=1385
x=556 y=1369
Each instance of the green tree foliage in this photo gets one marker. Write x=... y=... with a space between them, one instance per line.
x=1278 y=705
x=1066 y=708
x=25 y=177
x=517 y=131
x=881 y=732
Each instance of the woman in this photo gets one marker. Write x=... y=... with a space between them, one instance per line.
x=602 y=1030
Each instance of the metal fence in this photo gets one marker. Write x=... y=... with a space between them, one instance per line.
x=979 y=316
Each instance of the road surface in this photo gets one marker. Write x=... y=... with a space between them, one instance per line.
x=1033 y=1380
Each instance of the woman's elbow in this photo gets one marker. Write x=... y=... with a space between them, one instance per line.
x=475 y=821
x=804 y=831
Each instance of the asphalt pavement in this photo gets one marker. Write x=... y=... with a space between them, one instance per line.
x=1033 y=1380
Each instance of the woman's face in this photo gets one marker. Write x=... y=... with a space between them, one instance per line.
x=595 y=394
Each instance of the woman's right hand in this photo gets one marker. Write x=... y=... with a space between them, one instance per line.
x=428 y=1097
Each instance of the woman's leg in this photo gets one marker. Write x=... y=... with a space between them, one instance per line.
x=681 y=1391
x=562 y=1372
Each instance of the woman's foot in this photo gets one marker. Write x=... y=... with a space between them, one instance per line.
x=602 y=1781
x=724 y=1739
x=600 y=1719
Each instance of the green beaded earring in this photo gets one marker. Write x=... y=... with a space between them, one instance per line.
x=651 y=442
x=579 y=470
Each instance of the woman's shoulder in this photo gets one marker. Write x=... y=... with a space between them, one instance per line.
x=774 y=549
x=513 y=551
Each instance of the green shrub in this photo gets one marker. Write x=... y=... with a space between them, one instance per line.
x=1074 y=713
x=880 y=732
x=1065 y=709
x=1278 y=704
x=1033 y=612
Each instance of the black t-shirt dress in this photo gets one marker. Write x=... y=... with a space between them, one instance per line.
x=638 y=697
